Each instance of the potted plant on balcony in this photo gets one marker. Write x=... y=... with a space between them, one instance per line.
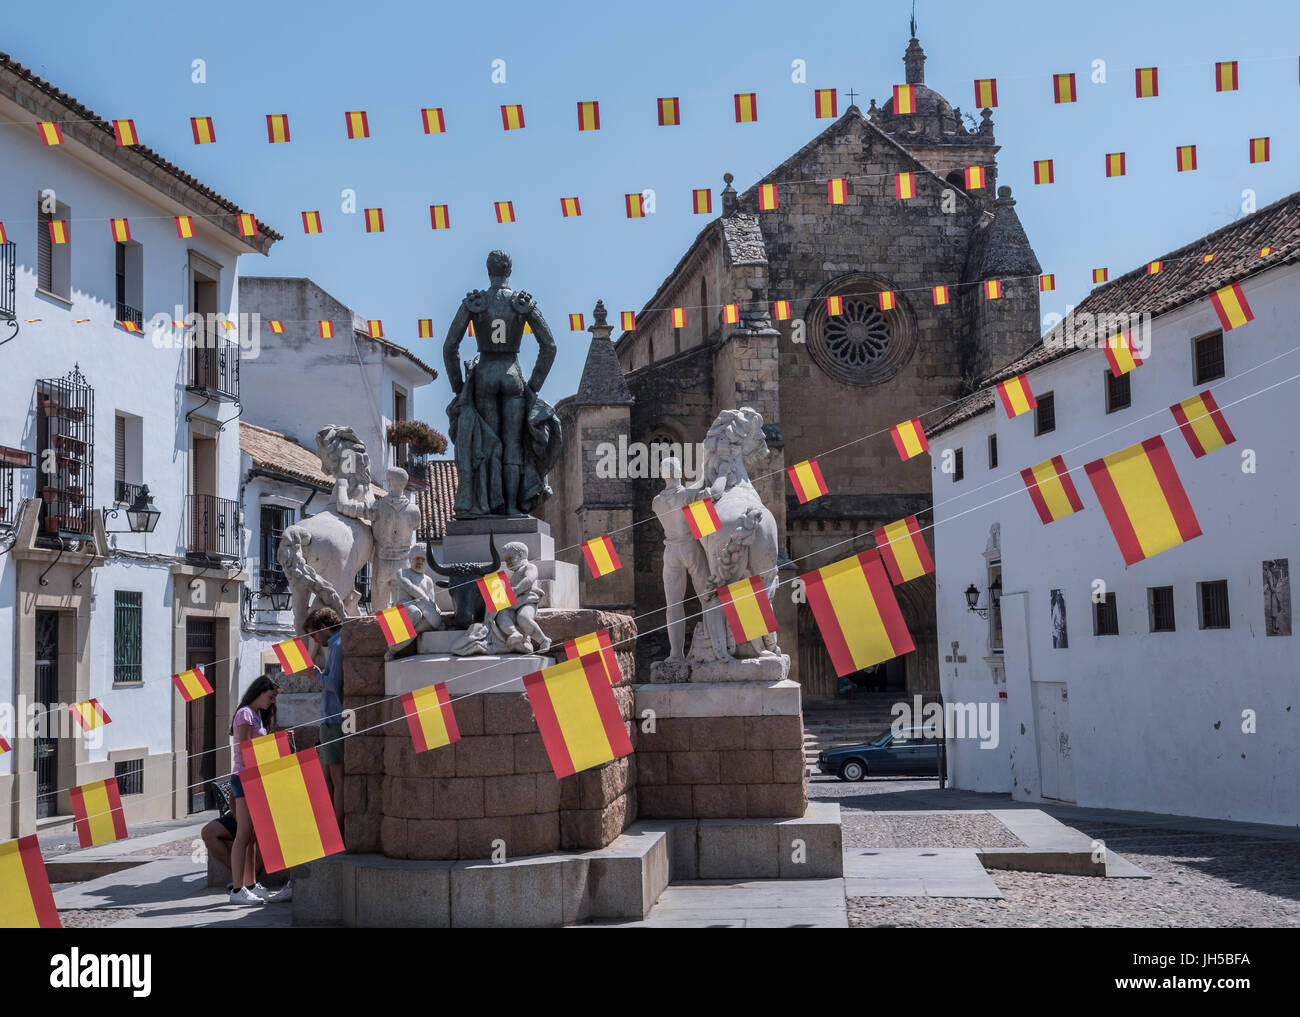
x=422 y=438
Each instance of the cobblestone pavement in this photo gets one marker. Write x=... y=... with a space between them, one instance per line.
x=96 y=918
x=954 y=830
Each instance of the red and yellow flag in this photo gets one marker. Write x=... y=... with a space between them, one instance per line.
x=440 y=217
x=1046 y=283
x=1202 y=424
x=1063 y=88
x=433 y=121
x=1264 y=252
x=326 y=329
x=292 y=814
x=1016 y=396
x=505 y=211
x=905 y=185
x=247 y=224
x=781 y=310
x=1230 y=305
x=97 y=809
x=588 y=116
x=677 y=317
x=512 y=117
x=730 y=314
x=1143 y=499
x=358 y=124
x=888 y=300
x=601 y=557
x=124 y=131
x=276 y=326
x=825 y=103
x=670 y=112
x=909 y=438
x=51 y=133
x=598 y=642
x=311 y=222
x=1121 y=353
x=121 y=230
x=1225 y=76
x=748 y=609
x=277 y=128
x=293 y=656
x=904 y=98
x=837 y=190
x=374 y=220
x=857 y=612
x=396 y=624
x=375 y=328
x=627 y=321
x=767 y=197
x=89 y=714
x=635 y=205
x=702 y=518
x=59 y=232
x=184 y=226
x=577 y=323
x=1100 y=275
x=807 y=480
x=940 y=295
x=129 y=325
x=1044 y=173
x=746 y=107
x=497 y=592
x=192 y=684
x=1115 y=164
x=430 y=717
x=424 y=328
x=26 y=900
x=1186 y=158
x=975 y=178
x=1155 y=267
x=701 y=201
x=1051 y=490
x=986 y=93
x=834 y=306
x=5 y=746
x=1146 y=82
x=577 y=715
x=265 y=748
x=901 y=546
x=570 y=207
x=992 y=289
x=4 y=237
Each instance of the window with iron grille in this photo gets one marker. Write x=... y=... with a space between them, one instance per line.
x=1214 y=604
x=993 y=451
x=130 y=776
x=958 y=465
x=127 y=614
x=275 y=519
x=1161 y=604
x=1119 y=392
x=1045 y=415
x=1209 y=358
x=1105 y=617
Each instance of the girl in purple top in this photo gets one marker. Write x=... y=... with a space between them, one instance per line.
x=255 y=716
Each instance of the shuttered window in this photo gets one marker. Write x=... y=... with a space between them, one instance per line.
x=958 y=465
x=44 y=251
x=126 y=636
x=119 y=450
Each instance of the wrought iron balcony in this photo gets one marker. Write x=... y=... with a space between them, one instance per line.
x=214 y=371
x=125 y=493
x=212 y=527
x=125 y=312
x=8 y=294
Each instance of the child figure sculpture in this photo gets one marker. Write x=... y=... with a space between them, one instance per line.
x=519 y=623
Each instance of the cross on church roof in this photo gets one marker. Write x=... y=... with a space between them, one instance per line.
x=852 y=95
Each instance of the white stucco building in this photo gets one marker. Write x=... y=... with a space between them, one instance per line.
x=1170 y=685
x=98 y=410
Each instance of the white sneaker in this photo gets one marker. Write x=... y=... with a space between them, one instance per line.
x=244 y=896
x=261 y=892
x=282 y=895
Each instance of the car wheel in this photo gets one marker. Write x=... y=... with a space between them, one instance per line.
x=853 y=770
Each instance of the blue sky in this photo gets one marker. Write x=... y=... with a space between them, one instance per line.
x=314 y=61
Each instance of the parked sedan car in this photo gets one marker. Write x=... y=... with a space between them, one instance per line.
x=913 y=751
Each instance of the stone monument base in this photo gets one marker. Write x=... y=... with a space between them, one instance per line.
x=755 y=669
x=467 y=540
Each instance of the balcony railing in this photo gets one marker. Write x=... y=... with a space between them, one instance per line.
x=212 y=527
x=125 y=493
x=214 y=371
x=8 y=263
x=125 y=312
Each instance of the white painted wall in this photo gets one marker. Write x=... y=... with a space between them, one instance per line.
x=1155 y=718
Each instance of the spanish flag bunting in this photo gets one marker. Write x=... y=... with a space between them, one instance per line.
x=4 y=237
x=1259 y=150
x=311 y=222
x=276 y=326
x=58 y=231
x=569 y=207
x=97 y=809
x=374 y=220
x=887 y=300
x=1264 y=252
x=358 y=124
x=26 y=900
x=128 y=324
x=1206 y=258
x=901 y=546
x=701 y=201
x=265 y=748
x=440 y=217
x=627 y=321
x=497 y=592
x=1063 y=88
x=1051 y=490
x=748 y=609
x=1143 y=499
x=1115 y=164
x=992 y=289
x=588 y=116
x=121 y=230
x=124 y=131
x=678 y=317
x=702 y=518
x=192 y=684
x=601 y=557
x=375 y=327
x=326 y=329
x=203 y=130
x=837 y=190
x=746 y=107
x=940 y=295
x=825 y=103
x=247 y=224
x=781 y=310
x=433 y=121
x=635 y=205
x=89 y=714
x=1186 y=158
x=1231 y=307
x=1100 y=275
x=767 y=197
x=905 y=185
x=834 y=306
x=1046 y=283
x=1121 y=354
x=51 y=133
x=1016 y=396
x=184 y=226
x=577 y=323
x=512 y=118
x=974 y=178
x=577 y=715
x=807 y=479
x=730 y=314
x=1044 y=172
x=1146 y=82
x=904 y=98
x=597 y=642
x=293 y=817
x=1155 y=267
x=505 y=211
x=1202 y=424
x=5 y=746
x=857 y=613
x=986 y=93
x=430 y=717
x=292 y=653
x=909 y=438
x=424 y=328
x=670 y=112
x=277 y=128
x=1225 y=76
x=396 y=624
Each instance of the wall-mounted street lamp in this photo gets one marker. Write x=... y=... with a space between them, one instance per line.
x=275 y=590
x=141 y=515
x=973 y=597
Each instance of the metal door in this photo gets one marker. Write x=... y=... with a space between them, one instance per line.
x=47 y=694
x=201 y=714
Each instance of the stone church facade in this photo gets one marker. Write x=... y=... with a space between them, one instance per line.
x=835 y=394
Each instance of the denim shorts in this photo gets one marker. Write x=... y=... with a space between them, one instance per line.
x=236 y=786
